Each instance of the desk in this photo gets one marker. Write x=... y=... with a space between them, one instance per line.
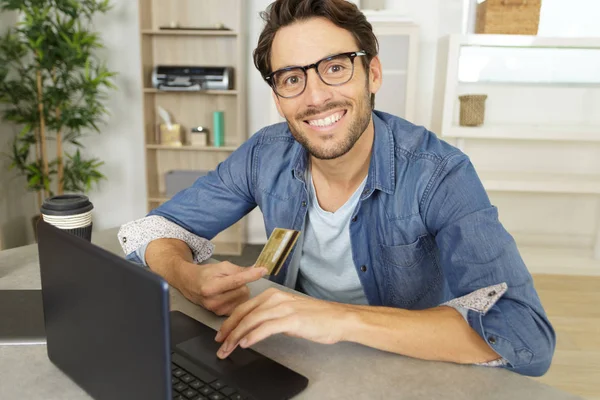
x=340 y=371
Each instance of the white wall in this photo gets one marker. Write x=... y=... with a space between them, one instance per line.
x=122 y=196
x=17 y=205
x=436 y=18
x=569 y=18
x=259 y=106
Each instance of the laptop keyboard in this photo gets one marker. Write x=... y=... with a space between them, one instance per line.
x=200 y=386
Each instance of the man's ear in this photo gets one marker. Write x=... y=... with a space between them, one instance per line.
x=276 y=100
x=375 y=75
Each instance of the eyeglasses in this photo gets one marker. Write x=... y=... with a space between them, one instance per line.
x=333 y=70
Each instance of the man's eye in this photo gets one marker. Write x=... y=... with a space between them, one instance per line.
x=292 y=80
x=336 y=68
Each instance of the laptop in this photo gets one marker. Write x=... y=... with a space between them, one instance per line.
x=109 y=328
x=22 y=317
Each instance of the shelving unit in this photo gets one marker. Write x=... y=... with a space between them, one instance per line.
x=226 y=149
x=526 y=132
x=538 y=151
x=210 y=47
x=528 y=182
x=190 y=92
x=189 y=32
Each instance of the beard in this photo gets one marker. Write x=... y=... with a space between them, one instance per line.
x=341 y=146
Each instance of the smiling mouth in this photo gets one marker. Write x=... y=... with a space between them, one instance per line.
x=326 y=122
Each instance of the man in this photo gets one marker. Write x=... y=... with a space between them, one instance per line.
x=400 y=250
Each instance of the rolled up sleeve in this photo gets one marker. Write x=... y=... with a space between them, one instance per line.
x=477 y=253
x=197 y=214
x=135 y=236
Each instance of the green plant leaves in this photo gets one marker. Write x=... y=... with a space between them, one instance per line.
x=54 y=39
x=81 y=174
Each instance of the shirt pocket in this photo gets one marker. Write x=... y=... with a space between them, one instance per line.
x=411 y=271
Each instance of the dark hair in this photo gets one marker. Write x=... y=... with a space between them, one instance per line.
x=342 y=13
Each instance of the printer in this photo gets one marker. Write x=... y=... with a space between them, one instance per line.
x=177 y=77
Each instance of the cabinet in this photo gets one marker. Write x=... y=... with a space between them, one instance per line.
x=538 y=151
x=197 y=47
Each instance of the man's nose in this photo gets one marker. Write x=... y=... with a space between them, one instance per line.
x=317 y=92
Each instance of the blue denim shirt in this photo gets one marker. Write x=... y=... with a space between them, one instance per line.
x=424 y=231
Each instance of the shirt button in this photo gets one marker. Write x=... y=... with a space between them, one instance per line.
x=492 y=340
x=303 y=204
x=363 y=268
x=492 y=293
x=366 y=191
x=354 y=219
x=124 y=240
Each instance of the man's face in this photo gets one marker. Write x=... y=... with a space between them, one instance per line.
x=326 y=120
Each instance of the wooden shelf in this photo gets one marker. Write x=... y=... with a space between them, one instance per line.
x=200 y=92
x=574 y=133
x=189 y=32
x=190 y=148
x=529 y=182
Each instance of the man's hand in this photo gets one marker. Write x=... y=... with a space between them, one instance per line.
x=274 y=311
x=219 y=288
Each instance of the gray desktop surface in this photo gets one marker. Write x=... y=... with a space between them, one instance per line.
x=22 y=317
x=340 y=371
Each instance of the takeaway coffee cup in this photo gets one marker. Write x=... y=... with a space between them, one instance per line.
x=71 y=213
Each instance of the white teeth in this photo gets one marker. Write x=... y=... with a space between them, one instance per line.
x=332 y=119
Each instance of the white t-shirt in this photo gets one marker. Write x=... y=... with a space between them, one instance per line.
x=326 y=269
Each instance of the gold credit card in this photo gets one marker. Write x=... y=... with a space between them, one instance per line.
x=277 y=249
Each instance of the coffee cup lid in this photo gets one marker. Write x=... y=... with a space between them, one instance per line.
x=68 y=204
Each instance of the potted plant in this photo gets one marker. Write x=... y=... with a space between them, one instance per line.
x=53 y=87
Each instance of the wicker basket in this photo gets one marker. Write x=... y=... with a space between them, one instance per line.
x=516 y=17
x=472 y=109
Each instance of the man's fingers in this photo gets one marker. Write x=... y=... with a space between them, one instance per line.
x=226 y=268
x=255 y=318
x=287 y=325
x=223 y=284
x=265 y=300
x=225 y=305
x=260 y=332
x=216 y=303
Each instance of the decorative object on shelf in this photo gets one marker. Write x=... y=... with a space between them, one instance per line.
x=54 y=87
x=472 y=109
x=170 y=133
x=194 y=78
x=218 y=128
x=177 y=180
x=199 y=136
x=516 y=17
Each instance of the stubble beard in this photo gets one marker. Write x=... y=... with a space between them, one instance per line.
x=355 y=130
